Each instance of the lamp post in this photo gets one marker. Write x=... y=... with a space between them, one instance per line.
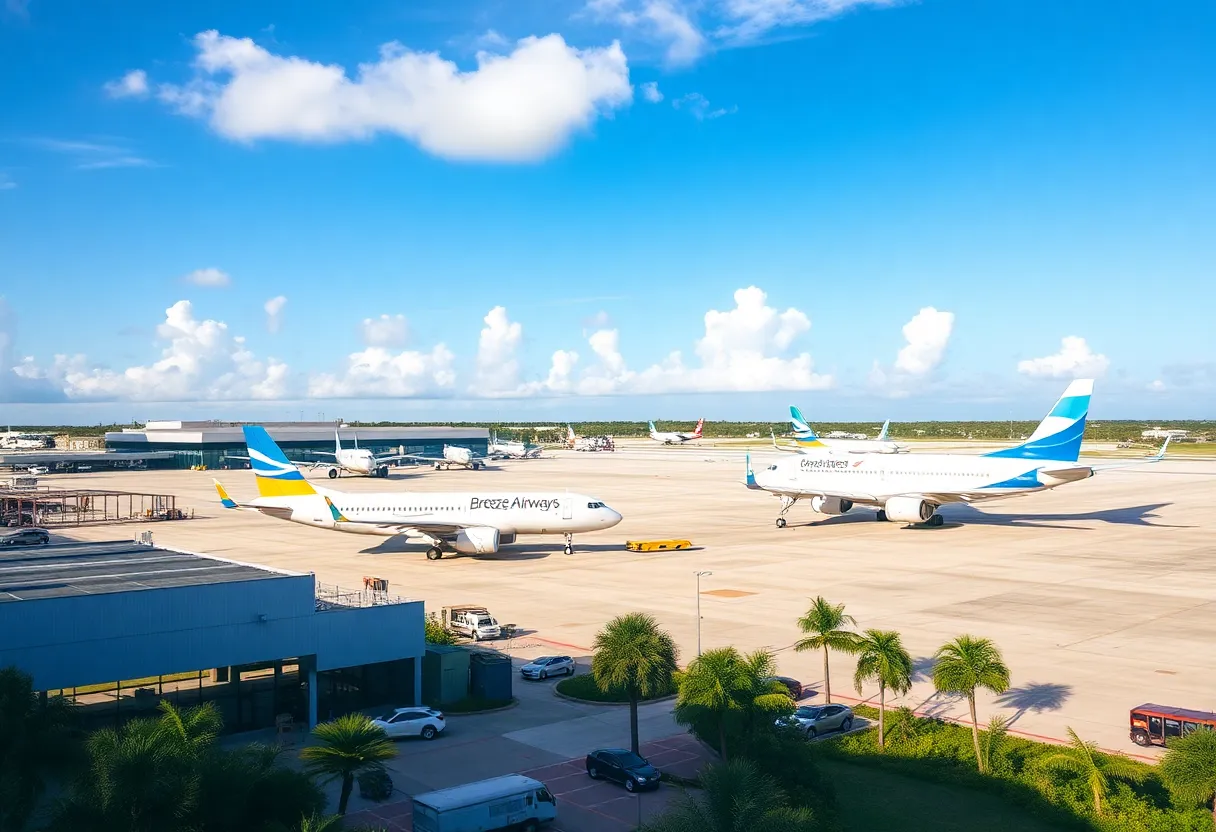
x=700 y=575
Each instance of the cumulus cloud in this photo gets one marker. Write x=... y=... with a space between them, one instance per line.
x=379 y=373
x=201 y=360
x=747 y=20
x=1074 y=359
x=385 y=331
x=497 y=366
x=274 y=312
x=520 y=106
x=927 y=335
x=650 y=91
x=209 y=277
x=697 y=106
x=20 y=380
x=132 y=85
x=666 y=22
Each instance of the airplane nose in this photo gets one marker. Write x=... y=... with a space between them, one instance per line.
x=613 y=517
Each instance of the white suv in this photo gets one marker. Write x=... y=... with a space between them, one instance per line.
x=411 y=722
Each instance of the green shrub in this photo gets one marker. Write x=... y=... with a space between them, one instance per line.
x=583 y=686
x=375 y=785
x=436 y=632
x=473 y=704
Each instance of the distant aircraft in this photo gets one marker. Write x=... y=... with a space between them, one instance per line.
x=588 y=443
x=358 y=461
x=673 y=437
x=910 y=488
x=476 y=523
x=453 y=455
x=512 y=449
x=37 y=470
x=809 y=442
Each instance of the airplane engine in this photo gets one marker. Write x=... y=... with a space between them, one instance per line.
x=478 y=540
x=831 y=505
x=909 y=509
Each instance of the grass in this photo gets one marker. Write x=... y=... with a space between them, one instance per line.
x=129 y=685
x=584 y=687
x=870 y=799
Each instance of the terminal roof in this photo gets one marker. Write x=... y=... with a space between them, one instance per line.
x=74 y=569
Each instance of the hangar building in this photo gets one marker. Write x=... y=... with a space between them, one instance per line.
x=210 y=443
x=119 y=626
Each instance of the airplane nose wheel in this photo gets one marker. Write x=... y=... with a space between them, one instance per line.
x=781 y=522
x=434 y=553
x=569 y=544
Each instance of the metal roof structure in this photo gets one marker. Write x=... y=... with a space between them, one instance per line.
x=76 y=569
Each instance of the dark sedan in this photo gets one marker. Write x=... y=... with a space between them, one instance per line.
x=622 y=766
x=25 y=537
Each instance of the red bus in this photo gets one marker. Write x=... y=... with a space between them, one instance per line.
x=1154 y=724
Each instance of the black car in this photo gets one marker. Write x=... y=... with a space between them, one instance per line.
x=25 y=537
x=621 y=765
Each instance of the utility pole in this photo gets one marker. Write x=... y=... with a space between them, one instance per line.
x=699 y=575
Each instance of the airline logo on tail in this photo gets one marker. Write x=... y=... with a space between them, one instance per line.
x=276 y=475
x=804 y=435
x=700 y=424
x=1058 y=436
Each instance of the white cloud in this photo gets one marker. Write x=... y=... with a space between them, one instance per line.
x=751 y=19
x=1156 y=386
x=665 y=21
x=209 y=277
x=517 y=107
x=698 y=107
x=378 y=373
x=385 y=331
x=274 y=312
x=497 y=366
x=1074 y=359
x=132 y=85
x=927 y=335
x=650 y=91
x=6 y=183
x=95 y=155
x=201 y=360
x=490 y=39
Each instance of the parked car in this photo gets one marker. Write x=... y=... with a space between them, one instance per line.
x=412 y=722
x=813 y=720
x=622 y=766
x=25 y=537
x=547 y=666
x=792 y=685
x=512 y=802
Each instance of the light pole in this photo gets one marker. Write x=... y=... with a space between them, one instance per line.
x=700 y=575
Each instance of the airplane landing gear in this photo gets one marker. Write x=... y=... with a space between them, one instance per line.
x=787 y=503
x=935 y=521
x=881 y=516
x=333 y=473
x=434 y=553
x=569 y=544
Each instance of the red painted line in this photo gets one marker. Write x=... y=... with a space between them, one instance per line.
x=559 y=643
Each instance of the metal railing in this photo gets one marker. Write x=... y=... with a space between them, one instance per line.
x=334 y=597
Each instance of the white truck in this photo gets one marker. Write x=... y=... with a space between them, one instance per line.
x=474 y=622
x=513 y=803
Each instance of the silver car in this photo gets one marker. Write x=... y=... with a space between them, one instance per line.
x=815 y=720
x=547 y=666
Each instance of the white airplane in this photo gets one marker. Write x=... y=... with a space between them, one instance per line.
x=588 y=443
x=809 y=442
x=37 y=470
x=674 y=437
x=472 y=523
x=910 y=488
x=453 y=455
x=512 y=449
x=358 y=461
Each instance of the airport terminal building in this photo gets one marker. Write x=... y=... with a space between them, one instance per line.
x=119 y=626
x=186 y=444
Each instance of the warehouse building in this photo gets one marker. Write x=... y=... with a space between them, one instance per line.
x=213 y=443
x=119 y=626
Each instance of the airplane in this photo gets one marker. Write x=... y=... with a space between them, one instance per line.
x=910 y=488
x=512 y=449
x=673 y=437
x=587 y=443
x=453 y=455
x=37 y=470
x=356 y=460
x=808 y=441
x=470 y=523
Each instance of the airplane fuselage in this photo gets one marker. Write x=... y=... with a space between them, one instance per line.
x=853 y=446
x=672 y=438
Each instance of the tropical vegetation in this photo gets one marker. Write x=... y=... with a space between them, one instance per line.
x=881 y=658
x=735 y=796
x=436 y=632
x=1189 y=768
x=583 y=686
x=345 y=748
x=36 y=742
x=632 y=655
x=966 y=665
x=824 y=624
x=1097 y=769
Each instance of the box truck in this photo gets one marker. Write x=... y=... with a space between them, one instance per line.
x=513 y=803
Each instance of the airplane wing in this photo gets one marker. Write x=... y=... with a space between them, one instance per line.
x=404 y=525
x=380 y=460
x=779 y=447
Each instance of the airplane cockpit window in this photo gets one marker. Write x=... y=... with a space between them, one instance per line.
x=595 y=505
x=772 y=467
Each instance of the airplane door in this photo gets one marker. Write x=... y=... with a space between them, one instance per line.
x=567 y=507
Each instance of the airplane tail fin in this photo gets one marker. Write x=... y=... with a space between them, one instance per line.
x=1058 y=436
x=799 y=424
x=882 y=434
x=276 y=475
x=337 y=445
x=225 y=500
x=652 y=430
x=700 y=425
x=750 y=480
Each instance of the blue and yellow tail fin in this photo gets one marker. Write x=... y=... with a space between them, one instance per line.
x=1058 y=436
x=334 y=512
x=804 y=434
x=276 y=475
x=225 y=500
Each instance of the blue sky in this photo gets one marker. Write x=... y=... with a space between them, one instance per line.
x=615 y=208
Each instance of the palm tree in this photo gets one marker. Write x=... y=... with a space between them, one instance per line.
x=825 y=622
x=633 y=655
x=193 y=730
x=965 y=664
x=734 y=796
x=321 y=823
x=1189 y=766
x=722 y=685
x=1084 y=758
x=881 y=658
x=347 y=746
x=35 y=744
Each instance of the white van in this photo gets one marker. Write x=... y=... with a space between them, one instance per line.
x=513 y=803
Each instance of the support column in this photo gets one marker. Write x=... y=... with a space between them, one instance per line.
x=312 y=695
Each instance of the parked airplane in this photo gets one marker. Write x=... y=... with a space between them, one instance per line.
x=910 y=488
x=454 y=455
x=512 y=449
x=588 y=443
x=472 y=523
x=808 y=441
x=356 y=460
x=674 y=437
